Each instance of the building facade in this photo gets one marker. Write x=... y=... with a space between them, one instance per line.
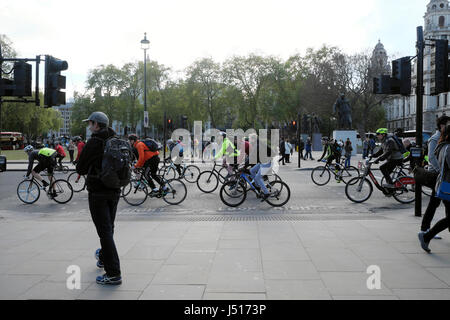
x=401 y=111
x=66 y=113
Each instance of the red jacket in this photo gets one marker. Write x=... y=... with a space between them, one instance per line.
x=60 y=150
x=80 y=147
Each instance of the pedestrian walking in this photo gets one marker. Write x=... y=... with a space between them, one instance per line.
x=287 y=150
x=443 y=156
x=365 y=148
x=348 y=152
x=301 y=148
x=282 y=152
x=429 y=177
x=308 y=149
x=372 y=145
x=71 y=149
x=102 y=199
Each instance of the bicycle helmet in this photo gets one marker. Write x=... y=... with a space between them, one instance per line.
x=28 y=148
x=132 y=137
x=382 y=131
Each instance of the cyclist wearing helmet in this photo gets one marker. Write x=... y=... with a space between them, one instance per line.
x=330 y=151
x=148 y=160
x=227 y=150
x=80 y=145
x=46 y=160
x=389 y=151
x=176 y=158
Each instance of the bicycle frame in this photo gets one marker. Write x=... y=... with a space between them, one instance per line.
x=368 y=172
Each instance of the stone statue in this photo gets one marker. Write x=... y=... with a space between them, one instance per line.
x=344 y=113
x=316 y=124
x=305 y=124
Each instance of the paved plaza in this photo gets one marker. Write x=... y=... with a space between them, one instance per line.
x=319 y=246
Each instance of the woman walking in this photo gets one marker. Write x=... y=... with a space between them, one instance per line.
x=348 y=152
x=71 y=149
x=443 y=154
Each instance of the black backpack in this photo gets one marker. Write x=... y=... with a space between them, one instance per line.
x=116 y=163
x=152 y=145
x=399 y=143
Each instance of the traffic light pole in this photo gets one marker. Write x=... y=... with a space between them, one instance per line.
x=164 y=135
x=419 y=111
x=298 y=140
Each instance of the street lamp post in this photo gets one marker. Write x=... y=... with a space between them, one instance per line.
x=145 y=45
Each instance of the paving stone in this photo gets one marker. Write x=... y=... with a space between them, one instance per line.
x=337 y=259
x=111 y=294
x=442 y=274
x=181 y=274
x=234 y=296
x=237 y=260
x=243 y=282
x=12 y=286
x=173 y=292
x=294 y=270
x=53 y=291
x=284 y=251
x=422 y=294
x=296 y=290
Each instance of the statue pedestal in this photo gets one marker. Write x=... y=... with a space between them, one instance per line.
x=317 y=142
x=343 y=135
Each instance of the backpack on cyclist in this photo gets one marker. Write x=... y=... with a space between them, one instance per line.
x=400 y=145
x=152 y=145
x=116 y=163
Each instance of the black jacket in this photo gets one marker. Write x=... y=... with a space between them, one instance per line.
x=90 y=162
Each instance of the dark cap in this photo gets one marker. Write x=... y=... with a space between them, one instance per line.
x=98 y=117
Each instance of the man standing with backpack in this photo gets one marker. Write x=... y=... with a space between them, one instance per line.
x=103 y=200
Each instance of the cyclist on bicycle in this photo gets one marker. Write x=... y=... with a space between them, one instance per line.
x=389 y=151
x=263 y=163
x=46 y=160
x=331 y=152
x=227 y=150
x=176 y=158
x=60 y=153
x=148 y=160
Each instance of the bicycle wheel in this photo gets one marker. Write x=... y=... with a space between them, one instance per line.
x=207 y=181
x=135 y=193
x=191 y=173
x=63 y=191
x=233 y=193
x=358 y=189
x=321 y=175
x=223 y=172
x=77 y=181
x=405 y=191
x=349 y=173
x=28 y=191
x=279 y=193
x=168 y=173
x=177 y=192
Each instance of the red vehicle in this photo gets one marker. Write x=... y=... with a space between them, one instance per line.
x=11 y=140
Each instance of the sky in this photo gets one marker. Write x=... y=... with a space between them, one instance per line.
x=90 y=33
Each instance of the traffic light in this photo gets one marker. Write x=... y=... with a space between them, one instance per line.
x=401 y=76
x=440 y=68
x=382 y=84
x=21 y=85
x=22 y=79
x=169 y=124
x=54 y=82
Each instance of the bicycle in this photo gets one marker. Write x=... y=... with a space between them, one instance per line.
x=399 y=171
x=61 y=168
x=321 y=175
x=77 y=181
x=136 y=192
x=29 y=190
x=360 y=189
x=237 y=188
x=208 y=180
x=190 y=173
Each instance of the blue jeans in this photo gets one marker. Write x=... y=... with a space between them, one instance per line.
x=347 y=161
x=256 y=175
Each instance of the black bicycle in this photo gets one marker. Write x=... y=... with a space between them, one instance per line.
x=29 y=190
x=137 y=191
x=322 y=174
x=77 y=181
x=169 y=170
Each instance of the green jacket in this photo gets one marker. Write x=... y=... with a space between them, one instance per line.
x=227 y=145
